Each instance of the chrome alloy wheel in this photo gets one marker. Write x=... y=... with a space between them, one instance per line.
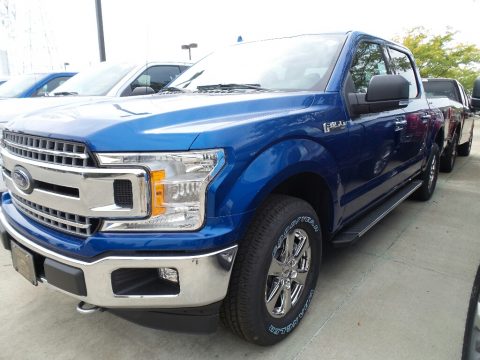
x=287 y=273
x=432 y=173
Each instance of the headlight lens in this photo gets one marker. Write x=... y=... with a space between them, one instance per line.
x=178 y=183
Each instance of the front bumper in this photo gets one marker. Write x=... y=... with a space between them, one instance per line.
x=203 y=279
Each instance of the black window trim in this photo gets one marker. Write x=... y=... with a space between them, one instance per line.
x=412 y=64
x=382 y=46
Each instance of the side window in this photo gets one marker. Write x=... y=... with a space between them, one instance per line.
x=368 y=61
x=156 y=77
x=402 y=65
x=50 y=86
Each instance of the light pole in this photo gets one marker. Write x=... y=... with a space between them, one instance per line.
x=101 y=41
x=65 y=64
x=189 y=47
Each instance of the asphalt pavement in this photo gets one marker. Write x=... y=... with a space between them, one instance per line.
x=402 y=292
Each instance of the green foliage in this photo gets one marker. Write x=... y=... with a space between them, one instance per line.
x=439 y=56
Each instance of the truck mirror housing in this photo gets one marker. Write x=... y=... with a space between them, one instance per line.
x=475 y=101
x=387 y=87
x=384 y=92
x=142 y=90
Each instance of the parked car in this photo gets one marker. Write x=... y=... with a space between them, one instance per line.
x=449 y=96
x=122 y=79
x=33 y=85
x=471 y=350
x=219 y=194
x=102 y=80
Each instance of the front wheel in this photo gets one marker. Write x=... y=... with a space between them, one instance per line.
x=429 y=176
x=275 y=272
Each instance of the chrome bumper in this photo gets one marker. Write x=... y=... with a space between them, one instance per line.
x=203 y=278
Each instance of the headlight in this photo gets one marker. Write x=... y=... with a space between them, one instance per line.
x=178 y=183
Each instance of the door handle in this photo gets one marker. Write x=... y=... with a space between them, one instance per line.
x=425 y=118
x=400 y=124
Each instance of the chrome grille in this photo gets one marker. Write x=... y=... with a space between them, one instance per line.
x=60 y=220
x=48 y=150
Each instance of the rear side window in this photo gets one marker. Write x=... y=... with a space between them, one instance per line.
x=401 y=64
x=441 y=88
x=369 y=60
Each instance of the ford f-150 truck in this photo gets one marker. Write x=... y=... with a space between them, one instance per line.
x=450 y=97
x=218 y=196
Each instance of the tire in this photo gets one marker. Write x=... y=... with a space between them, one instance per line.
x=256 y=306
x=447 y=161
x=429 y=176
x=471 y=336
x=464 y=149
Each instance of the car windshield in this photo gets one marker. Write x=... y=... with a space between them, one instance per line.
x=15 y=86
x=295 y=63
x=97 y=81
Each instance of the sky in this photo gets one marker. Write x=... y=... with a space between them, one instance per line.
x=45 y=34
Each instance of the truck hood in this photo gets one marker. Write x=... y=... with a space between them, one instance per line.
x=155 y=122
x=13 y=107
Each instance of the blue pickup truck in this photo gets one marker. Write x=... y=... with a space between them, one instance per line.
x=33 y=85
x=217 y=197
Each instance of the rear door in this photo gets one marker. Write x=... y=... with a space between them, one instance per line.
x=412 y=133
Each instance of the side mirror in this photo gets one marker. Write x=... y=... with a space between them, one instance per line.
x=142 y=90
x=475 y=101
x=384 y=92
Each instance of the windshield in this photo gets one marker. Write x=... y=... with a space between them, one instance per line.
x=97 y=81
x=19 y=84
x=296 y=63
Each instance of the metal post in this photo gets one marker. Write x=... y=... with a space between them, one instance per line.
x=101 y=41
x=189 y=47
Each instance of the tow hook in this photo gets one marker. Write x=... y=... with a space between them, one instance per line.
x=85 y=308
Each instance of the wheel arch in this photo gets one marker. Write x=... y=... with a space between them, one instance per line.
x=295 y=167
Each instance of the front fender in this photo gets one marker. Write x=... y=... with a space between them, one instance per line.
x=242 y=191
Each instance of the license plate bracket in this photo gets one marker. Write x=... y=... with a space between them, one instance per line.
x=23 y=263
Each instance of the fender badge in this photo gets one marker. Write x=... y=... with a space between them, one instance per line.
x=334 y=126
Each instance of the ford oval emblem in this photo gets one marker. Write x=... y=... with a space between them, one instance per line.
x=22 y=179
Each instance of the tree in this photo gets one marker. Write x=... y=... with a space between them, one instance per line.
x=439 y=56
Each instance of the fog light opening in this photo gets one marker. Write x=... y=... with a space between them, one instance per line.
x=168 y=274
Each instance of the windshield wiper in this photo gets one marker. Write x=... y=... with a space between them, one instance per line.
x=191 y=79
x=65 y=93
x=231 y=87
x=171 y=89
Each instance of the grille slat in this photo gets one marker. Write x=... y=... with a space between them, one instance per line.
x=63 y=221
x=48 y=150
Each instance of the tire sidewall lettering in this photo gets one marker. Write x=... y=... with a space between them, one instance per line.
x=288 y=228
x=288 y=328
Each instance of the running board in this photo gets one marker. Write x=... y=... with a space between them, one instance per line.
x=354 y=231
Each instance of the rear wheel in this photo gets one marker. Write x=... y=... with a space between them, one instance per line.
x=464 y=149
x=429 y=176
x=447 y=161
x=275 y=271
